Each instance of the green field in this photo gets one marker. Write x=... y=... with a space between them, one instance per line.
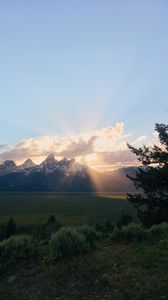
x=69 y=208
x=120 y=270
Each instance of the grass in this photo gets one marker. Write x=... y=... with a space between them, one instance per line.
x=69 y=209
x=134 y=270
x=114 y=271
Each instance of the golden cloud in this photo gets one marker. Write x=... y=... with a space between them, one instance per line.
x=102 y=148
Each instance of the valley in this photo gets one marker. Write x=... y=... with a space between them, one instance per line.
x=69 y=208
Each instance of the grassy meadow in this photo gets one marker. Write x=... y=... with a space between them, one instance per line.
x=69 y=208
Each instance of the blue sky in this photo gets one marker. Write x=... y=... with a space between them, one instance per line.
x=72 y=66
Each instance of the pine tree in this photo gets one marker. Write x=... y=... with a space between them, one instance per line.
x=10 y=227
x=151 y=201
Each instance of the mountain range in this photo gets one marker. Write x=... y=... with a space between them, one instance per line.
x=63 y=175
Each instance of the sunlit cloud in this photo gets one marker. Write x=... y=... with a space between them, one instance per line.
x=2 y=146
x=141 y=139
x=103 y=148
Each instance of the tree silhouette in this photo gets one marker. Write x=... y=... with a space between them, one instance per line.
x=10 y=227
x=151 y=201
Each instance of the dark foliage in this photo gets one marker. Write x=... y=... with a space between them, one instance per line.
x=152 y=180
x=68 y=242
x=2 y=231
x=52 y=226
x=125 y=219
x=40 y=232
x=10 y=228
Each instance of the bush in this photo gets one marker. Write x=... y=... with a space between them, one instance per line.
x=117 y=235
x=67 y=242
x=124 y=220
x=135 y=232
x=160 y=230
x=37 y=231
x=44 y=243
x=105 y=228
x=18 y=246
x=89 y=232
x=108 y=226
x=131 y=232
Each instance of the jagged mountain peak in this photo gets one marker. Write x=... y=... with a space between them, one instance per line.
x=49 y=164
x=62 y=175
x=66 y=161
x=9 y=164
x=50 y=157
x=28 y=164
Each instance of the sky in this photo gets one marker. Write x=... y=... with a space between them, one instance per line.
x=81 y=78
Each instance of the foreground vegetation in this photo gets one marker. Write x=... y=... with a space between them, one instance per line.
x=106 y=261
x=114 y=271
x=92 y=254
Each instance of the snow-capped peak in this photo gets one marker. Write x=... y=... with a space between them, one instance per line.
x=27 y=164
x=50 y=158
x=49 y=164
x=9 y=164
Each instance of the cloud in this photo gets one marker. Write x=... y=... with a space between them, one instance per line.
x=31 y=148
x=80 y=148
x=139 y=140
x=2 y=147
x=106 y=147
x=106 y=161
x=117 y=157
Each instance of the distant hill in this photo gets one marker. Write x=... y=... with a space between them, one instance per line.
x=117 y=181
x=64 y=175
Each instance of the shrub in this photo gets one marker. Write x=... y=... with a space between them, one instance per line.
x=44 y=243
x=131 y=232
x=89 y=232
x=100 y=227
x=124 y=220
x=108 y=226
x=105 y=228
x=135 y=231
x=18 y=246
x=117 y=235
x=67 y=242
x=37 y=231
x=160 y=230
